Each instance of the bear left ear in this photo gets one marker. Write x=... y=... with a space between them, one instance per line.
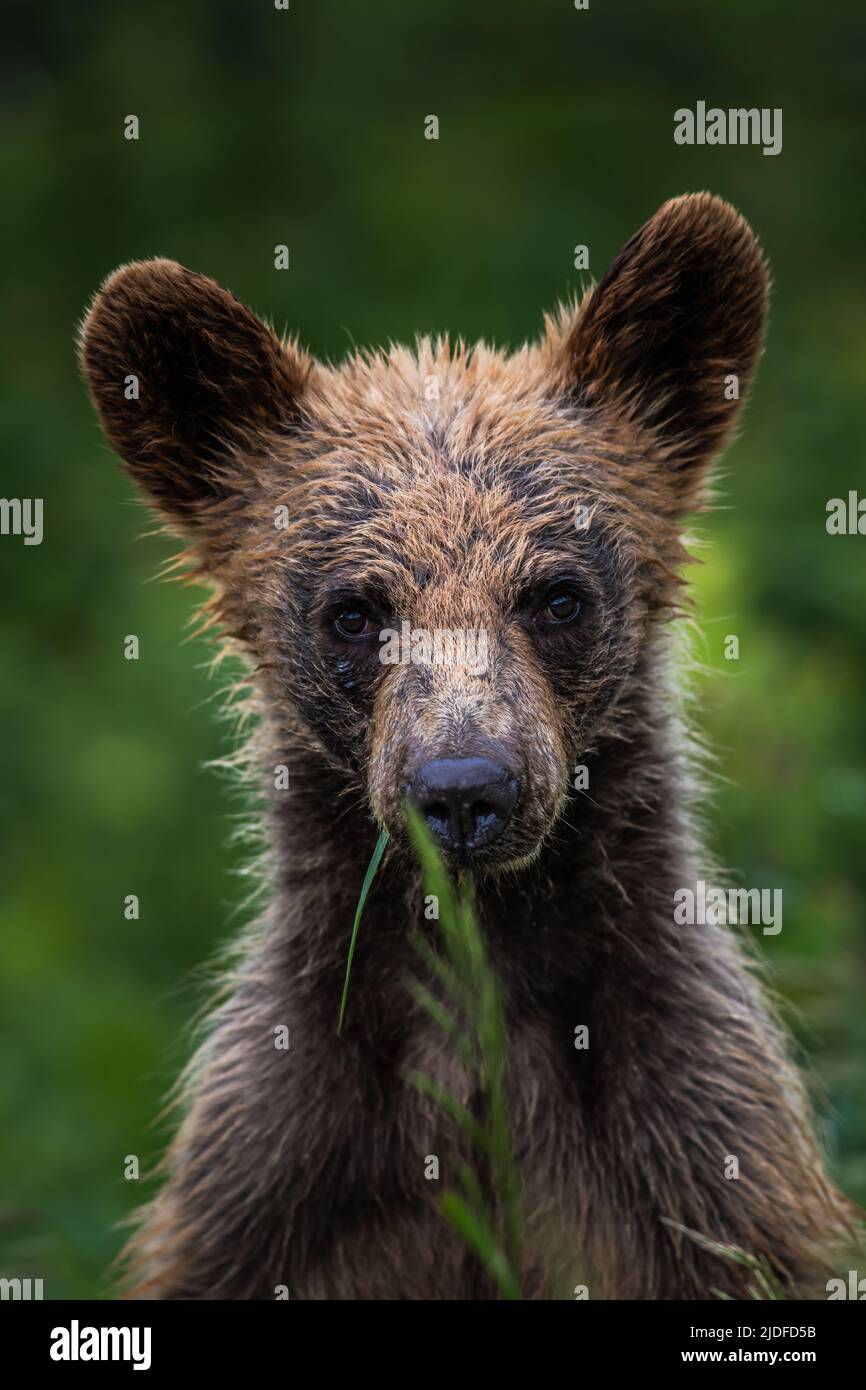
x=189 y=384
x=671 y=335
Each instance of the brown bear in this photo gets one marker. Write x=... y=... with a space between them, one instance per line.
x=536 y=498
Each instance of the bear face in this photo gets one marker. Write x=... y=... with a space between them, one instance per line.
x=444 y=564
x=442 y=600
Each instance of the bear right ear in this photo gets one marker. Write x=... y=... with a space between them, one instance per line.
x=188 y=384
x=671 y=335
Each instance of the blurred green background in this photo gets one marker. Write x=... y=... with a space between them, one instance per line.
x=305 y=127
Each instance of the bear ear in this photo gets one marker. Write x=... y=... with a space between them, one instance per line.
x=188 y=383
x=671 y=335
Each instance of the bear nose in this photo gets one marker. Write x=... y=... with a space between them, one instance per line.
x=466 y=802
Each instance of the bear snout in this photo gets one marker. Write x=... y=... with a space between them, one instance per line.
x=466 y=802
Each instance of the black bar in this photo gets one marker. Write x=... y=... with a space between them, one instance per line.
x=241 y=1338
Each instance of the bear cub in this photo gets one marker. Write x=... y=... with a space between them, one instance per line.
x=535 y=499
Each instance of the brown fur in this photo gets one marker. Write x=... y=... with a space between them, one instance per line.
x=306 y=1167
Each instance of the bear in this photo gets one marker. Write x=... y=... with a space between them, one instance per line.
x=537 y=496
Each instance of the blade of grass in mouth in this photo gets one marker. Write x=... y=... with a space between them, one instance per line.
x=368 y=879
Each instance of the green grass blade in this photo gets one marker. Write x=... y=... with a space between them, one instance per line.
x=479 y=1236
x=449 y=1025
x=453 y=1108
x=368 y=879
x=766 y=1286
x=487 y=1218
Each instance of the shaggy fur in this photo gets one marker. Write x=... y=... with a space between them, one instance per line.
x=453 y=507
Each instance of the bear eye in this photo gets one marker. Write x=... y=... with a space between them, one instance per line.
x=354 y=623
x=560 y=607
